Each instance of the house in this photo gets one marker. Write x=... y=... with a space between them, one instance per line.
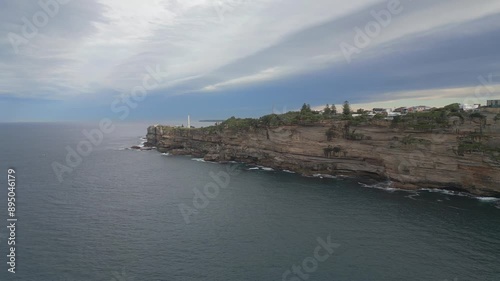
x=402 y=110
x=493 y=103
x=391 y=115
x=419 y=108
x=383 y=111
x=422 y=108
x=469 y=107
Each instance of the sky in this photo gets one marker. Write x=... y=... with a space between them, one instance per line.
x=160 y=60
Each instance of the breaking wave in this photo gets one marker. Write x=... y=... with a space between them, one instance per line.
x=261 y=168
x=382 y=186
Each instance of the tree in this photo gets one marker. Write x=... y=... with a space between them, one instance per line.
x=327 y=110
x=333 y=109
x=454 y=107
x=306 y=108
x=337 y=150
x=346 y=109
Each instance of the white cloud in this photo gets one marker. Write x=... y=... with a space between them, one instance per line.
x=265 y=75
x=106 y=44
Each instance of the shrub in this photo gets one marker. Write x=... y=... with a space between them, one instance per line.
x=459 y=115
x=239 y=124
x=330 y=134
x=272 y=120
x=476 y=115
x=454 y=107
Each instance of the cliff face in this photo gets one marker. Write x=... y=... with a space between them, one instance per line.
x=409 y=159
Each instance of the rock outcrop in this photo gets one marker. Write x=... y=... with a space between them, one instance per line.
x=409 y=159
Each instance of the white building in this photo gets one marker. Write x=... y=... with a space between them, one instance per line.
x=419 y=108
x=469 y=107
x=382 y=110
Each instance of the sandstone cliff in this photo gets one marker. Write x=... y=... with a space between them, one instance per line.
x=409 y=158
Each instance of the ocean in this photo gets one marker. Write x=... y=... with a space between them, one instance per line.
x=121 y=214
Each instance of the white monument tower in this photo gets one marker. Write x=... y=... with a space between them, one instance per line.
x=189 y=121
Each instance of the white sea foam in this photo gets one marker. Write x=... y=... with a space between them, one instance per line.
x=261 y=168
x=462 y=194
x=382 y=186
x=288 y=171
x=488 y=199
x=166 y=154
x=412 y=196
x=203 y=160
x=321 y=176
x=443 y=191
x=267 y=169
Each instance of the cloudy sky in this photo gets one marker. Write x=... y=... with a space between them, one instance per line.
x=84 y=60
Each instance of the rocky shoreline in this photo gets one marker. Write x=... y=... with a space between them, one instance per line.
x=384 y=154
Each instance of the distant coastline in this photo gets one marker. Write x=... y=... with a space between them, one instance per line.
x=446 y=148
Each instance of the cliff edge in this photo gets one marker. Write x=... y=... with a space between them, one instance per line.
x=462 y=155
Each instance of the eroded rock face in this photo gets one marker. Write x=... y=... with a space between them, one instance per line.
x=429 y=161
